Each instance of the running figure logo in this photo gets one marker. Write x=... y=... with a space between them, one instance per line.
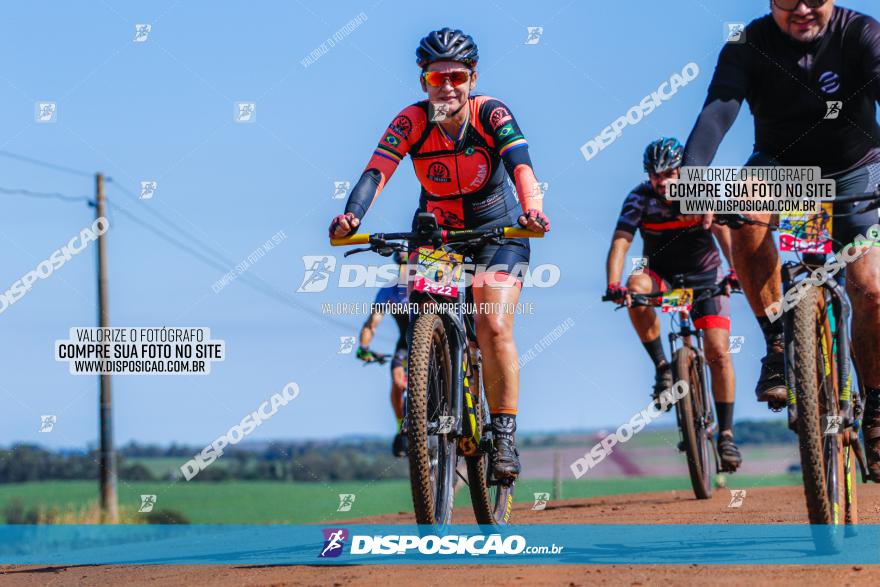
x=735 y=344
x=446 y=424
x=148 y=189
x=340 y=189
x=346 y=501
x=540 y=189
x=346 y=345
x=541 y=499
x=47 y=112
x=334 y=541
x=833 y=110
x=735 y=32
x=438 y=111
x=318 y=269
x=141 y=32
x=47 y=423
x=832 y=424
x=245 y=112
x=147 y=503
x=737 y=497
x=639 y=264
x=534 y=35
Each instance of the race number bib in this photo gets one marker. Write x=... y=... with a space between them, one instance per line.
x=678 y=300
x=806 y=233
x=438 y=272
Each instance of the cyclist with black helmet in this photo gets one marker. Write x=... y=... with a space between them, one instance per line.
x=390 y=299
x=797 y=65
x=464 y=147
x=676 y=246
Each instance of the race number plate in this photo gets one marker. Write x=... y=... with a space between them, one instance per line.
x=678 y=300
x=806 y=233
x=438 y=272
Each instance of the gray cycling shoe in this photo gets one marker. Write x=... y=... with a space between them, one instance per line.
x=505 y=458
x=662 y=382
x=731 y=458
x=771 y=383
x=399 y=446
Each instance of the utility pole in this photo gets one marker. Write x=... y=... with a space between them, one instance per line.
x=109 y=505
x=557 y=476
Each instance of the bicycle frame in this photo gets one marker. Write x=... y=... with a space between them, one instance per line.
x=839 y=312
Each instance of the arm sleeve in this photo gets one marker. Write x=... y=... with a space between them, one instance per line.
x=630 y=214
x=393 y=146
x=513 y=148
x=725 y=97
x=870 y=40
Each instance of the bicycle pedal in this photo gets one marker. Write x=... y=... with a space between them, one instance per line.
x=776 y=407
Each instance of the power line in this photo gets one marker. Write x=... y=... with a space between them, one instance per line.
x=33 y=194
x=207 y=255
x=249 y=280
x=46 y=164
x=206 y=249
x=225 y=264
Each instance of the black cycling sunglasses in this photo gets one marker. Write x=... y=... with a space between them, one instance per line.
x=791 y=5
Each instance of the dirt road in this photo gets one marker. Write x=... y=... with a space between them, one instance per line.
x=761 y=506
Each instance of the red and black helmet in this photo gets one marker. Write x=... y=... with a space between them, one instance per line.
x=447 y=45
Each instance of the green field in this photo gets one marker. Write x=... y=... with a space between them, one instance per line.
x=276 y=502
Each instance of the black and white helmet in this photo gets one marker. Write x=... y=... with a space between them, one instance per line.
x=663 y=154
x=447 y=45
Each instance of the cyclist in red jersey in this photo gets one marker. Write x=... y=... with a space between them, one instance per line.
x=464 y=148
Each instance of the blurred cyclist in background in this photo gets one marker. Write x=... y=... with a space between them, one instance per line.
x=390 y=300
x=676 y=245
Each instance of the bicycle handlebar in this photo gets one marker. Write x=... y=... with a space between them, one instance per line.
x=445 y=236
x=737 y=220
x=700 y=293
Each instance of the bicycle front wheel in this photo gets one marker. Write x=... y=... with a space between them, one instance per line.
x=432 y=451
x=819 y=425
x=690 y=413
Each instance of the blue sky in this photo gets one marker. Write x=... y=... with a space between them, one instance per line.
x=163 y=110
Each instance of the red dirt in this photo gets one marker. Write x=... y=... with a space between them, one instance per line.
x=762 y=505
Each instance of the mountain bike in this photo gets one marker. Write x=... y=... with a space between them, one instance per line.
x=446 y=415
x=824 y=402
x=695 y=413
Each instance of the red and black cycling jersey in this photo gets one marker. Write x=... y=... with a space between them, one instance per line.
x=464 y=178
x=790 y=86
x=673 y=243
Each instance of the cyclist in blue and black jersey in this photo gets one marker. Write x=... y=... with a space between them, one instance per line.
x=390 y=300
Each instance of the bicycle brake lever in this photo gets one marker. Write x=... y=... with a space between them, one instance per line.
x=353 y=251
